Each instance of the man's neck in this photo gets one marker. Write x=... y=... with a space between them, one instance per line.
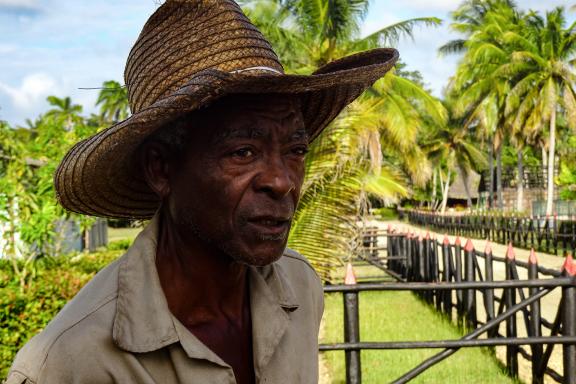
x=201 y=283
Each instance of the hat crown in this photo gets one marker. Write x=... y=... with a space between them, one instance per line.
x=185 y=37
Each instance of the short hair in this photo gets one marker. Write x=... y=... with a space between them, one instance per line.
x=173 y=137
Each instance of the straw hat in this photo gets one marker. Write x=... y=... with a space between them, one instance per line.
x=189 y=54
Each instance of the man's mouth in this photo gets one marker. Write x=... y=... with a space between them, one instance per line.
x=269 y=227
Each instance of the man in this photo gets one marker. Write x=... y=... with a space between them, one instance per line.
x=214 y=154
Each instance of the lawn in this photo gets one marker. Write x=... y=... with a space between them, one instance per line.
x=115 y=234
x=400 y=316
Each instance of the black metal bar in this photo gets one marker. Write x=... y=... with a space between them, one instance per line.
x=446 y=295
x=474 y=334
x=443 y=344
x=553 y=332
x=421 y=286
x=535 y=329
x=458 y=278
x=548 y=371
x=489 y=293
x=510 y=300
x=352 y=335
x=469 y=294
x=569 y=330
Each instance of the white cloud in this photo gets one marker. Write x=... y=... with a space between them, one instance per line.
x=19 y=3
x=7 y=48
x=34 y=89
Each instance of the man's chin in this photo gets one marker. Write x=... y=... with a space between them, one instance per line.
x=259 y=256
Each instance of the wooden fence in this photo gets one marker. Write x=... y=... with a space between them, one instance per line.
x=448 y=276
x=550 y=234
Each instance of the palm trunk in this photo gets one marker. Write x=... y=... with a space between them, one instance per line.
x=446 y=187
x=520 y=187
x=499 y=177
x=491 y=180
x=434 y=189
x=86 y=240
x=551 y=150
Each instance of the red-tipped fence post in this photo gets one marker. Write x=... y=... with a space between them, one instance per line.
x=511 y=329
x=446 y=272
x=470 y=275
x=391 y=249
x=438 y=294
x=458 y=277
x=408 y=257
x=535 y=321
x=421 y=258
x=489 y=293
x=569 y=322
x=352 y=329
x=425 y=264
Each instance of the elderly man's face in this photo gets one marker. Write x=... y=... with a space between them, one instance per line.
x=239 y=182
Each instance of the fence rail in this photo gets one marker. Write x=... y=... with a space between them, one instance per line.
x=448 y=277
x=550 y=234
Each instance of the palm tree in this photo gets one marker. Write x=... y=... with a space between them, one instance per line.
x=346 y=162
x=113 y=102
x=452 y=147
x=64 y=111
x=543 y=73
x=470 y=19
x=480 y=91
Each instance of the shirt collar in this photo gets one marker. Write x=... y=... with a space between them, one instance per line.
x=144 y=323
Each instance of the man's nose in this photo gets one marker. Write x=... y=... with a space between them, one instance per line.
x=275 y=178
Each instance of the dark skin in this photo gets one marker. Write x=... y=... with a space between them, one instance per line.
x=227 y=203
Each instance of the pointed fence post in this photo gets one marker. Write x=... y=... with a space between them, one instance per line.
x=421 y=258
x=412 y=255
x=407 y=257
x=352 y=329
x=569 y=322
x=535 y=321
x=427 y=265
x=511 y=329
x=458 y=278
x=390 y=248
x=446 y=273
x=489 y=293
x=470 y=276
x=438 y=295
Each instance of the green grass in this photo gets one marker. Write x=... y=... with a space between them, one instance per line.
x=115 y=234
x=400 y=316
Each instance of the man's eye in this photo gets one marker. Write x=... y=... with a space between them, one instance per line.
x=243 y=153
x=300 y=151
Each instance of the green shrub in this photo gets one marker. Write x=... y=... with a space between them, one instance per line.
x=123 y=244
x=24 y=313
x=386 y=213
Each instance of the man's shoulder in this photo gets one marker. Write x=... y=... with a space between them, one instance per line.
x=84 y=321
x=299 y=271
x=291 y=257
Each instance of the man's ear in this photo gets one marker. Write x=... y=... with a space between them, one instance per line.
x=156 y=168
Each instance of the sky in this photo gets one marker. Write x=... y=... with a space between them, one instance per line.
x=56 y=47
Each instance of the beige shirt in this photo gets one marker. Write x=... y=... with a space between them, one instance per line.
x=118 y=329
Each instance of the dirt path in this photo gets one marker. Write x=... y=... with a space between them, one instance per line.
x=549 y=304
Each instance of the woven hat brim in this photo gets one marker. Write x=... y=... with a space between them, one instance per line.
x=101 y=176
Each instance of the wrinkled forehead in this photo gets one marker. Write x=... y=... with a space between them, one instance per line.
x=280 y=105
x=250 y=114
